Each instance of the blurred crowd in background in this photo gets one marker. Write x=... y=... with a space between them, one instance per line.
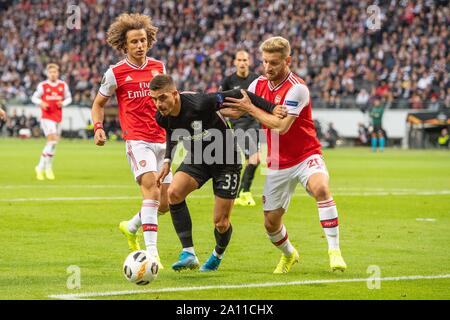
x=345 y=60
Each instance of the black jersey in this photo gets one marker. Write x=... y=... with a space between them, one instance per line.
x=235 y=82
x=203 y=129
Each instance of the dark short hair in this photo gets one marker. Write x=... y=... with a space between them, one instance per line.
x=161 y=81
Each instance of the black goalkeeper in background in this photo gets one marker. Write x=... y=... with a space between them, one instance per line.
x=198 y=119
x=241 y=79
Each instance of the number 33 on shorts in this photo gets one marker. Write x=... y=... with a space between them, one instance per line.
x=231 y=181
x=226 y=185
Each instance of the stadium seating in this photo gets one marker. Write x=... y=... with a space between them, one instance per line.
x=406 y=61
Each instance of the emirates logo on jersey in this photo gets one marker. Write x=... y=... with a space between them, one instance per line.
x=277 y=99
x=142 y=93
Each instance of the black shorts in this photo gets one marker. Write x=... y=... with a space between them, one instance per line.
x=249 y=142
x=226 y=177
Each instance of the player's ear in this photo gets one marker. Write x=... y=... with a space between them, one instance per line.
x=288 y=60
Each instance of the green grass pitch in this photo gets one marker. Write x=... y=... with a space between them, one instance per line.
x=394 y=213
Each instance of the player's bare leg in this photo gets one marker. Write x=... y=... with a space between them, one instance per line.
x=277 y=233
x=164 y=202
x=222 y=232
x=182 y=185
x=328 y=215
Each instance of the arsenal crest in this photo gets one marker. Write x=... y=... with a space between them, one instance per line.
x=277 y=99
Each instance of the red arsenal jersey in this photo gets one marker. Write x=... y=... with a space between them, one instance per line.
x=54 y=94
x=131 y=83
x=300 y=141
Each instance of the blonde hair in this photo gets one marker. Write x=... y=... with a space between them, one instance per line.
x=52 y=66
x=117 y=32
x=276 y=44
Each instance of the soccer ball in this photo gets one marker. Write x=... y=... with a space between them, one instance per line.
x=140 y=268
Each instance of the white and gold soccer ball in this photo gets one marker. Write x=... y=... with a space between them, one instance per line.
x=140 y=267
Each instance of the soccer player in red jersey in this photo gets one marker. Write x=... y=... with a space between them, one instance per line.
x=51 y=96
x=134 y=35
x=294 y=153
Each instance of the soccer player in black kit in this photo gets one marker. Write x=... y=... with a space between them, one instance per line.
x=241 y=79
x=198 y=120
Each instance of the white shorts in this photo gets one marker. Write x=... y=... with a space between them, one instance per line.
x=280 y=184
x=50 y=127
x=146 y=157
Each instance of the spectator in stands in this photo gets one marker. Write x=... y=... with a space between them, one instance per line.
x=416 y=101
x=434 y=105
x=338 y=58
x=362 y=100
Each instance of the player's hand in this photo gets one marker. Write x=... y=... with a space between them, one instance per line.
x=280 y=111
x=243 y=104
x=165 y=170
x=44 y=105
x=2 y=114
x=100 y=137
x=59 y=104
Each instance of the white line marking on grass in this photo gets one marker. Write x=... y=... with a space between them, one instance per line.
x=69 y=199
x=56 y=186
x=426 y=219
x=71 y=186
x=207 y=196
x=78 y=296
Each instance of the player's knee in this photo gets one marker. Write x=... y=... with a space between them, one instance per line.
x=270 y=226
x=148 y=186
x=272 y=221
x=222 y=224
x=174 y=195
x=321 y=191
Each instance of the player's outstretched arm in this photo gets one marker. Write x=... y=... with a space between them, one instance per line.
x=254 y=99
x=271 y=121
x=232 y=113
x=98 y=115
